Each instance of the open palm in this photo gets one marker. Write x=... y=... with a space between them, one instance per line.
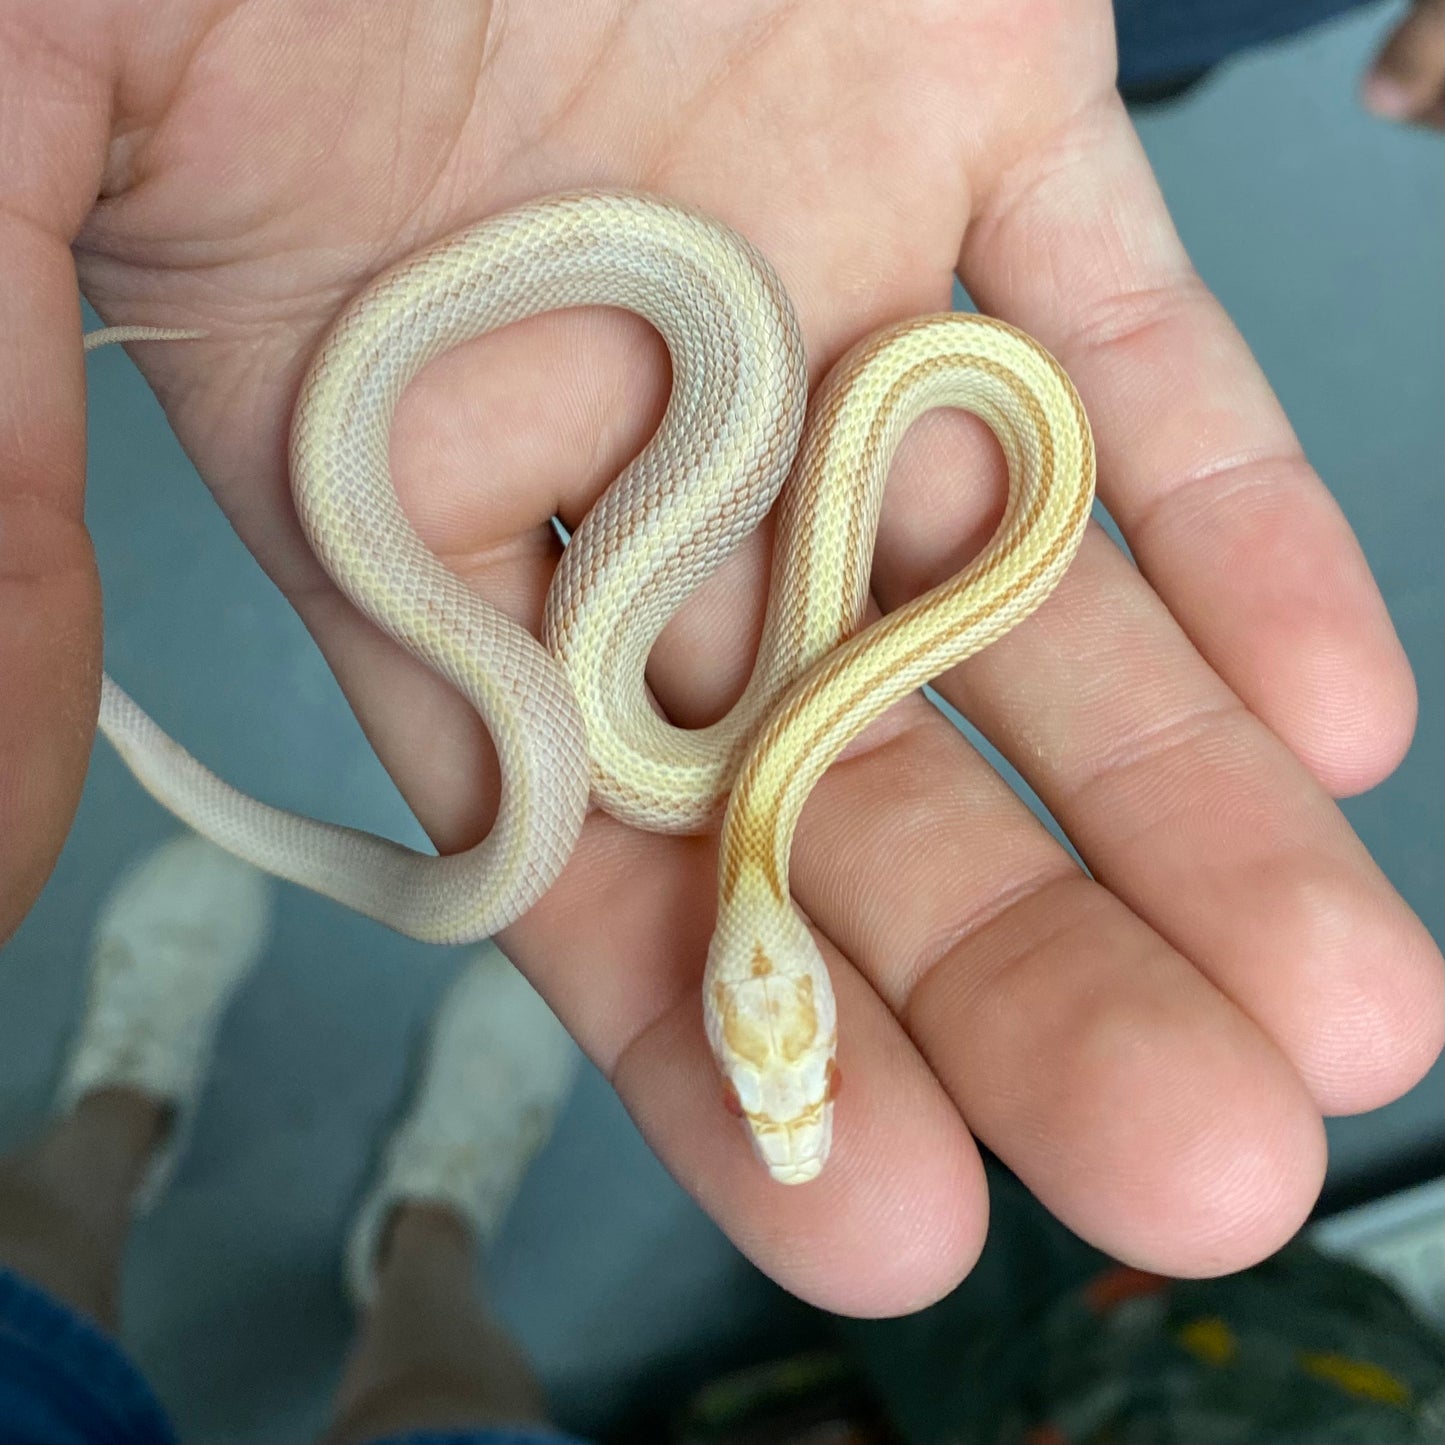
x=1150 y=1046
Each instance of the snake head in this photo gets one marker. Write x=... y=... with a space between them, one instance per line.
x=772 y=1023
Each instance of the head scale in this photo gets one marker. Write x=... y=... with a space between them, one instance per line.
x=773 y=1029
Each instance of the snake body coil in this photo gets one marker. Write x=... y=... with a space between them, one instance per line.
x=570 y=716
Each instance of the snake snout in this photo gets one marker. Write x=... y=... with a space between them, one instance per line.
x=795 y=1152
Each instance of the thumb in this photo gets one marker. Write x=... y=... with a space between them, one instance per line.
x=1407 y=80
x=53 y=131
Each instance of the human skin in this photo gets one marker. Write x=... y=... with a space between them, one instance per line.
x=1407 y=80
x=1151 y=1045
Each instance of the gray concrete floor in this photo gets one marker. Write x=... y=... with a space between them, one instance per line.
x=1320 y=229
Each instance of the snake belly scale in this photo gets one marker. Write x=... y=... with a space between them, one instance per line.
x=571 y=716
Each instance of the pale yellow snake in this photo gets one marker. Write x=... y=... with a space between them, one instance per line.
x=571 y=716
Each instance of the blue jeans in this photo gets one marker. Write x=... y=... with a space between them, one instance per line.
x=1169 y=40
x=64 y=1381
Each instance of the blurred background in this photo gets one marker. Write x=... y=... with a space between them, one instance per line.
x=1321 y=231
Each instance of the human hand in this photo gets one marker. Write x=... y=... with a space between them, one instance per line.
x=1150 y=1048
x=1407 y=80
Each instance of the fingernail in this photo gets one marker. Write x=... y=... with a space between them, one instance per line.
x=1386 y=97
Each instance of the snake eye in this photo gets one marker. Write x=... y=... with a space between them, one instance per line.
x=731 y=1102
x=835 y=1081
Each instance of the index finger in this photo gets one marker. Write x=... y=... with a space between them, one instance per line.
x=1197 y=462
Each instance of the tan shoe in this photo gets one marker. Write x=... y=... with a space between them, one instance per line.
x=175 y=939
x=498 y=1068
